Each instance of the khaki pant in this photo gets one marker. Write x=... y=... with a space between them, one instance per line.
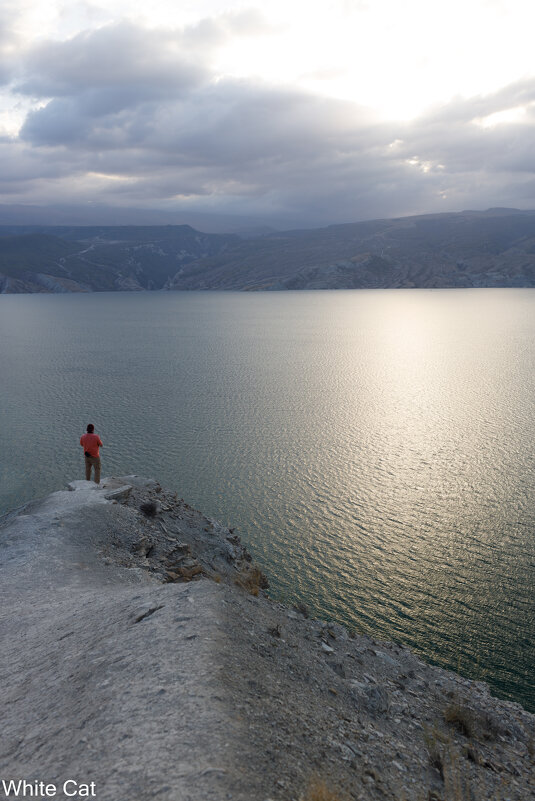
x=92 y=461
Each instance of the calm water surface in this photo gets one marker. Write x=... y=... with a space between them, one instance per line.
x=375 y=449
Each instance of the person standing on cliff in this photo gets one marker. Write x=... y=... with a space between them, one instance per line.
x=91 y=442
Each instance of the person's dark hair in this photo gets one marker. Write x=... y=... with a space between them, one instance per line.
x=90 y=428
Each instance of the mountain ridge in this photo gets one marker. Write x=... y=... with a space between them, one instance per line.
x=494 y=248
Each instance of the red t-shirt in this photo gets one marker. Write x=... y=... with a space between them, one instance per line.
x=90 y=443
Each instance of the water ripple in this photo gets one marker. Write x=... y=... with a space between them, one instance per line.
x=374 y=449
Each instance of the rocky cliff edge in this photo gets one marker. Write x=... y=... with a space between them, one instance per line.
x=142 y=659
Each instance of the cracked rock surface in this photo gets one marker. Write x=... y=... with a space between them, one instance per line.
x=140 y=651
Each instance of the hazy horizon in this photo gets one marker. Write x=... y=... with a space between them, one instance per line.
x=109 y=216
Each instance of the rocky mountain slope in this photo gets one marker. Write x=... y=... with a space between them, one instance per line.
x=142 y=659
x=125 y=258
x=495 y=248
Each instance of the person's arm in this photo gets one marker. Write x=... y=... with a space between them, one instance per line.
x=81 y=443
x=100 y=443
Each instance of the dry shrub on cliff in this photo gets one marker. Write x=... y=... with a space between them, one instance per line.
x=251 y=579
x=473 y=723
x=456 y=783
x=150 y=508
x=462 y=717
x=435 y=742
x=318 y=790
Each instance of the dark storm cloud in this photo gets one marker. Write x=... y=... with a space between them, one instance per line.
x=243 y=124
x=145 y=108
x=114 y=59
x=152 y=63
x=456 y=136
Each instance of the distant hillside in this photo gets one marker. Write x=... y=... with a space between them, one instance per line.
x=495 y=248
x=103 y=258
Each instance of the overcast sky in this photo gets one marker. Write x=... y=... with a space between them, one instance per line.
x=309 y=112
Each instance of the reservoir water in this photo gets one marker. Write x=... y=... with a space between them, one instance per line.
x=375 y=449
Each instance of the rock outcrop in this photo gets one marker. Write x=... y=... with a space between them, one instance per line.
x=142 y=658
